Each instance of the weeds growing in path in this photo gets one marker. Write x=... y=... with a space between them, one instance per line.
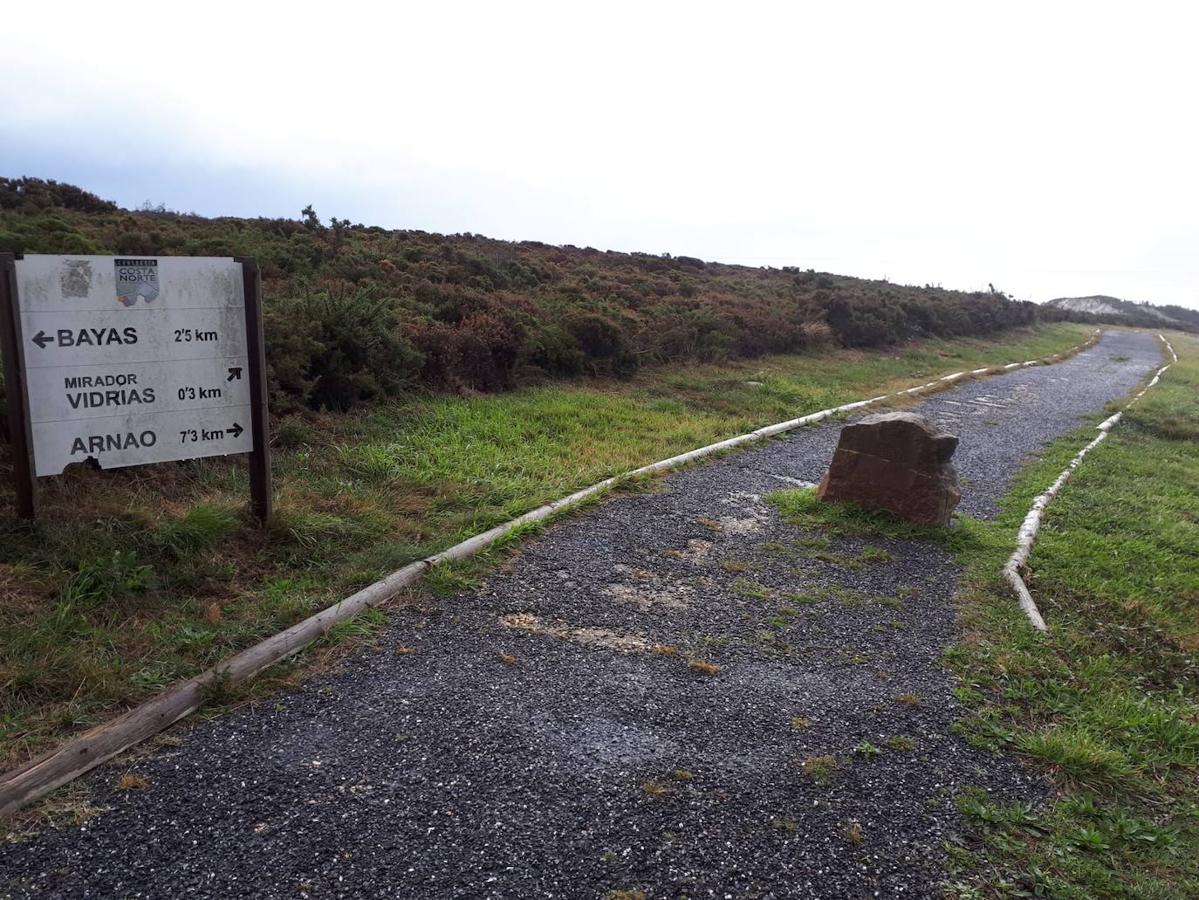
x=821 y=768
x=703 y=667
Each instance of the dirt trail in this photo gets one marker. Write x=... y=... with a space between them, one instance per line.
x=548 y=737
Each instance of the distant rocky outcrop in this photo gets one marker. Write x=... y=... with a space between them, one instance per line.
x=1114 y=311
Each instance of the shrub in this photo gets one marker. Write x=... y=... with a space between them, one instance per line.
x=331 y=350
x=603 y=343
x=555 y=350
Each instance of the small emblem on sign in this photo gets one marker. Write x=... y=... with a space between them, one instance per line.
x=137 y=279
x=76 y=278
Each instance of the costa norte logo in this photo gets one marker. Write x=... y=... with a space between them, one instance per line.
x=137 y=279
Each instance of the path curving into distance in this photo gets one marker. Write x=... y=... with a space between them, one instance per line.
x=590 y=762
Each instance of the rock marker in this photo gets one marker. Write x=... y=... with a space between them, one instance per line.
x=897 y=461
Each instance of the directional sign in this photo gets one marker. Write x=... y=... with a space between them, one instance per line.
x=133 y=360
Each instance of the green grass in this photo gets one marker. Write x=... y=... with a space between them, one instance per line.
x=820 y=769
x=135 y=578
x=1107 y=703
x=747 y=587
x=802 y=507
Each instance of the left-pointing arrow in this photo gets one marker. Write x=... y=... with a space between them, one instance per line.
x=42 y=339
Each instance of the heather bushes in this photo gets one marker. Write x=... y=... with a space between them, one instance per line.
x=44 y=234
x=471 y=338
x=478 y=352
x=38 y=194
x=862 y=319
x=602 y=342
x=333 y=350
x=356 y=314
x=858 y=323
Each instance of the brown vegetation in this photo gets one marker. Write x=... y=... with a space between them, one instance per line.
x=358 y=313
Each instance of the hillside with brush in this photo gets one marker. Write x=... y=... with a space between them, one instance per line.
x=356 y=313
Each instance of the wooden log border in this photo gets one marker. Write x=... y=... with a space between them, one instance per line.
x=1032 y=522
x=78 y=755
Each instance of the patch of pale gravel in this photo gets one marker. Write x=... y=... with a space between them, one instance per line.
x=446 y=773
x=753 y=514
x=696 y=552
x=595 y=637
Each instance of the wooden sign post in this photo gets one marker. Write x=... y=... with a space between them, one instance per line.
x=14 y=391
x=128 y=361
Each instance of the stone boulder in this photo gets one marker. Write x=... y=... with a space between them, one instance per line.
x=897 y=461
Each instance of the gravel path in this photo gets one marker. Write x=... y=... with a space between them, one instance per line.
x=544 y=735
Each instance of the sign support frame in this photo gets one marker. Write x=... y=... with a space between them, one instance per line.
x=261 y=492
x=19 y=429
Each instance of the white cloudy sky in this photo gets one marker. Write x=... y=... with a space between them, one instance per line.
x=1048 y=148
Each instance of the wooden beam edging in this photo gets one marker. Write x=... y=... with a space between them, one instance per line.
x=1032 y=522
x=78 y=755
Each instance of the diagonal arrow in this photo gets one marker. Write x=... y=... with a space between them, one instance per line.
x=42 y=339
x=234 y=373
x=236 y=430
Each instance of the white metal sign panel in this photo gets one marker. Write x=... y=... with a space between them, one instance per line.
x=133 y=360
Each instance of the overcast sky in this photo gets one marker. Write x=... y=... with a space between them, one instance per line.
x=1047 y=148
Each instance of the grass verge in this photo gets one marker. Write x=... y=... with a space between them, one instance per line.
x=1106 y=704
x=135 y=578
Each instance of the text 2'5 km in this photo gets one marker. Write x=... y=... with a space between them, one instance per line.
x=193 y=335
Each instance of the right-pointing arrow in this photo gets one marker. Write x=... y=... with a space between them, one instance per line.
x=236 y=430
x=42 y=339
